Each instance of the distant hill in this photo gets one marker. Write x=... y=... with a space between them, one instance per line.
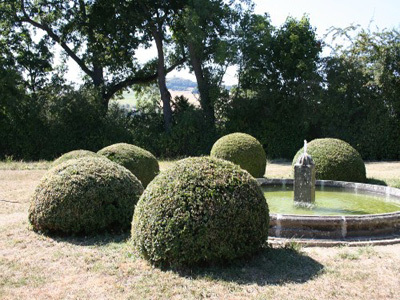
x=181 y=84
x=177 y=86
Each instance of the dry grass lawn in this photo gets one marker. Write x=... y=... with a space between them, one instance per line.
x=34 y=266
x=387 y=173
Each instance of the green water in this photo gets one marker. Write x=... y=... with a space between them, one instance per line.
x=331 y=201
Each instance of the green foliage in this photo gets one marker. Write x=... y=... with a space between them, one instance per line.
x=335 y=160
x=271 y=120
x=140 y=162
x=85 y=195
x=360 y=102
x=75 y=154
x=353 y=110
x=241 y=149
x=285 y=57
x=72 y=119
x=286 y=92
x=56 y=120
x=279 y=84
x=19 y=113
x=205 y=29
x=101 y=37
x=188 y=136
x=200 y=210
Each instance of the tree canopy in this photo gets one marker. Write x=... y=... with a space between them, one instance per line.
x=286 y=90
x=93 y=34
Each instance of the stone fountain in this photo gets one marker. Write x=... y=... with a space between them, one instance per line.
x=383 y=228
x=304 y=180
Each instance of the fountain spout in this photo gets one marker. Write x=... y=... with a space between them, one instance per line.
x=305 y=147
x=304 y=179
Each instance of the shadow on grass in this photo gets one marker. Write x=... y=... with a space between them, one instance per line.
x=393 y=182
x=376 y=181
x=268 y=267
x=91 y=240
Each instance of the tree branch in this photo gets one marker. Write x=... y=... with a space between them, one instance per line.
x=56 y=38
x=139 y=80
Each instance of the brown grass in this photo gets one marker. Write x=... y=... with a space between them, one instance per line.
x=386 y=173
x=11 y=164
x=34 y=266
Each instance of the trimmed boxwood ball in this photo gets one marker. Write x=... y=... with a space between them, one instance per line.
x=242 y=149
x=201 y=210
x=140 y=162
x=85 y=195
x=335 y=160
x=74 y=155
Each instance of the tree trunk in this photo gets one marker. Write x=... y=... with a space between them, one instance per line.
x=98 y=82
x=203 y=85
x=161 y=78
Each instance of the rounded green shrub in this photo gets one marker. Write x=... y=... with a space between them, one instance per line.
x=74 y=155
x=335 y=160
x=200 y=210
x=140 y=162
x=242 y=149
x=85 y=195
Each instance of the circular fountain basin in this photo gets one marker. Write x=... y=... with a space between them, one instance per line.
x=368 y=218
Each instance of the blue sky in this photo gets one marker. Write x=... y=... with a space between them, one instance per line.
x=339 y=13
x=323 y=14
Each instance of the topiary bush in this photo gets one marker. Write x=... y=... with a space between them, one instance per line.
x=200 y=210
x=335 y=160
x=140 y=162
x=74 y=155
x=85 y=195
x=243 y=150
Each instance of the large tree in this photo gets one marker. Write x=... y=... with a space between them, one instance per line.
x=154 y=19
x=279 y=83
x=206 y=30
x=92 y=34
x=360 y=102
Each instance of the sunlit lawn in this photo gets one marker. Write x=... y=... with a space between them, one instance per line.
x=34 y=266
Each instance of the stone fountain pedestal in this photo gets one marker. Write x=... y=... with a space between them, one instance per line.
x=304 y=180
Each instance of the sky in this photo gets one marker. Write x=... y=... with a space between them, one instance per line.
x=323 y=14
x=339 y=13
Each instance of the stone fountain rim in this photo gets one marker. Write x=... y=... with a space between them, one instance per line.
x=373 y=188
x=353 y=235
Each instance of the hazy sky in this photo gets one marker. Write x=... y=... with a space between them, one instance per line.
x=322 y=13
x=339 y=13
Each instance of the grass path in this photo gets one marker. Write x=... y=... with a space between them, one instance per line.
x=34 y=266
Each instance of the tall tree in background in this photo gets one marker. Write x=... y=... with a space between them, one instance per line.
x=154 y=18
x=21 y=53
x=92 y=34
x=279 y=83
x=361 y=102
x=206 y=30
x=254 y=40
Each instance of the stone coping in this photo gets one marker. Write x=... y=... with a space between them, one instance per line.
x=336 y=229
x=281 y=242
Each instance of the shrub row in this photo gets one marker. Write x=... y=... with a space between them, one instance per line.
x=49 y=126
